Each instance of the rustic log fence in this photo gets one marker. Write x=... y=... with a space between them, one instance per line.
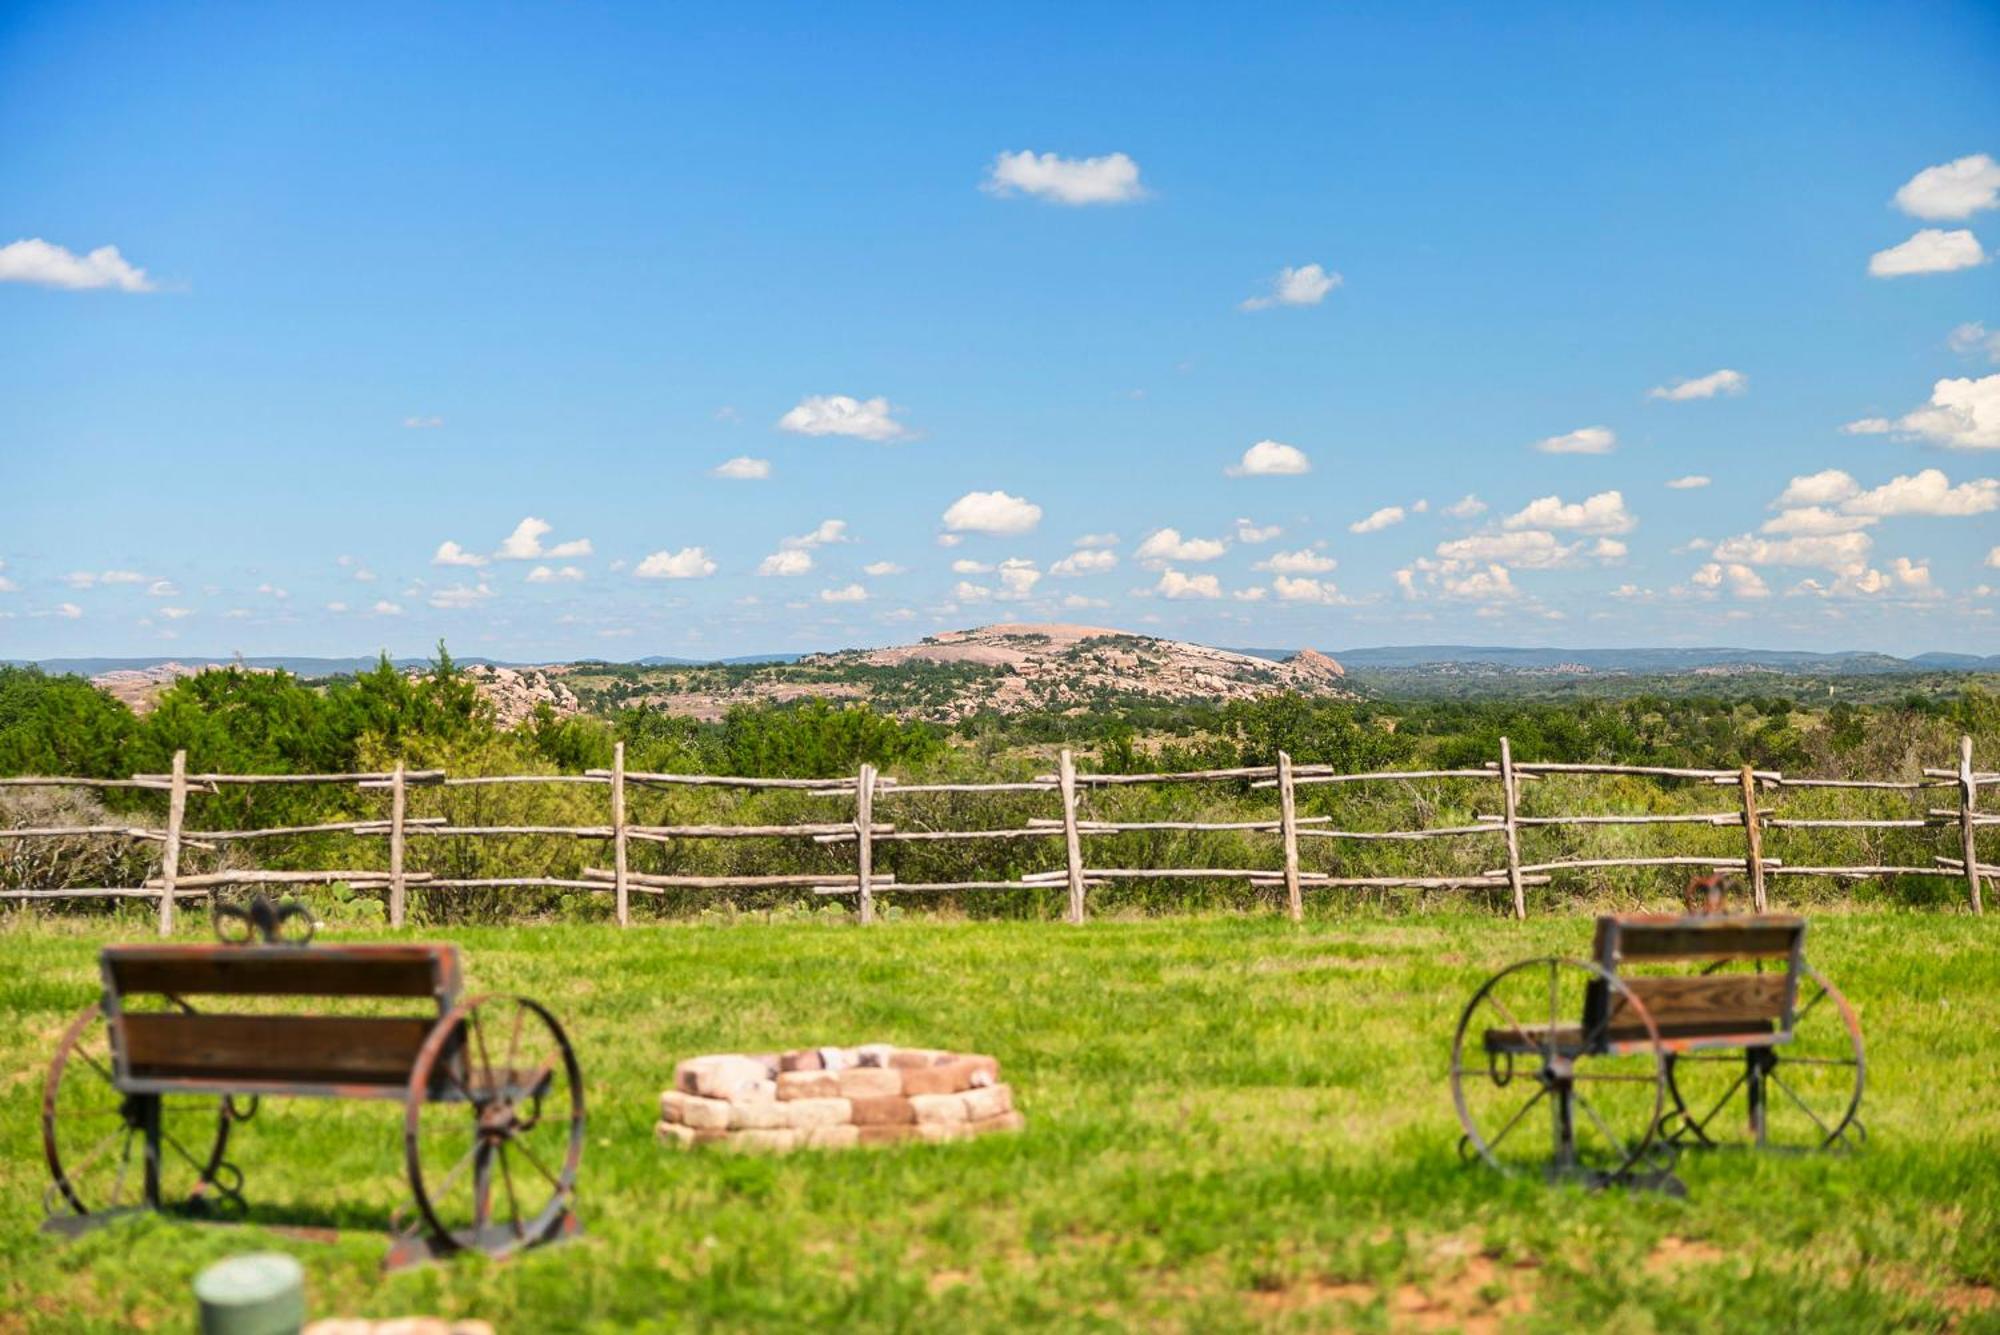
x=1513 y=874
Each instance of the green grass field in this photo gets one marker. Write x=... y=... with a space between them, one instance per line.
x=1233 y=1122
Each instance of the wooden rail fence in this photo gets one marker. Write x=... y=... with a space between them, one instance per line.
x=1076 y=876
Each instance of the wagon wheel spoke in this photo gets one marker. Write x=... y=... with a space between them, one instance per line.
x=514 y=1039
x=1626 y=1156
x=1555 y=1007
x=444 y=1185
x=75 y=1171
x=485 y=1059
x=1787 y=1060
x=536 y=1160
x=1825 y=1130
x=1701 y=1127
x=513 y=1201
x=1808 y=1008
x=124 y=1164
x=96 y=1066
x=1520 y=1030
x=1616 y=1078
x=1514 y=1121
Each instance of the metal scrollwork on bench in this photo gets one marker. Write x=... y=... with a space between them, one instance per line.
x=263 y=923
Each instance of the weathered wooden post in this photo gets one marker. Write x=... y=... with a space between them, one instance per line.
x=1968 y=801
x=170 y=851
x=399 y=806
x=864 y=841
x=1510 y=807
x=1288 y=826
x=1072 y=842
x=1753 y=838
x=618 y=887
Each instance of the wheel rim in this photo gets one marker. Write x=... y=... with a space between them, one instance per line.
x=494 y=1126
x=94 y=1137
x=1522 y=1061
x=1812 y=1086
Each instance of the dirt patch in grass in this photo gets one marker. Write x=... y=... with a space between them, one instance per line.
x=1671 y=1255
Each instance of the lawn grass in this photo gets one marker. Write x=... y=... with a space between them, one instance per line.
x=1233 y=1122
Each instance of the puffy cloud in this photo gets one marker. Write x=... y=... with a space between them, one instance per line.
x=965 y=565
x=461 y=595
x=1247 y=532
x=1737 y=578
x=993 y=512
x=1088 y=561
x=68 y=611
x=1254 y=594
x=1271 y=458
x=1911 y=574
x=1702 y=387
x=1527 y=549
x=1097 y=540
x=742 y=469
x=548 y=575
x=1814 y=519
x=829 y=532
x=88 y=579
x=881 y=568
x=1608 y=550
x=1931 y=250
x=967 y=592
x=1466 y=507
x=1077 y=602
x=846 y=593
x=1167 y=544
x=166 y=588
x=1963 y=414
x=525 y=544
x=687 y=563
x=1303 y=590
x=1305 y=561
x=1491 y=583
x=1584 y=440
x=1689 y=483
x=1383 y=518
x=385 y=608
x=1826 y=487
x=176 y=613
x=1952 y=190
x=34 y=260
x=1111 y=179
x=1833 y=551
x=1018 y=578
x=451 y=554
x=7 y=585
x=1603 y=513
x=1993 y=559
x=1306 y=285
x=790 y=561
x=843 y=415
x=1173 y=584
x=1972 y=337
x=1926 y=493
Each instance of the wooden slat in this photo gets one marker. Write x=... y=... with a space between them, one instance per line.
x=1666 y=937
x=1716 y=1003
x=306 y=1049
x=284 y=971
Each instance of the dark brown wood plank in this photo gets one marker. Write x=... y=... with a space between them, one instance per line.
x=283 y=971
x=1665 y=937
x=1746 y=1002
x=306 y=1049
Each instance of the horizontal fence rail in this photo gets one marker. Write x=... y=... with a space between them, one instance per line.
x=871 y=793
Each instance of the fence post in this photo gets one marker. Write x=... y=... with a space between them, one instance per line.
x=864 y=841
x=1753 y=835
x=618 y=886
x=1510 y=806
x=1288 y=826
x=399 y=805
x=170 y=851
x=1072 y=843
x=1968 y=798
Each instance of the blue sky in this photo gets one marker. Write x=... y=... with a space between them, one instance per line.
x=520 y=279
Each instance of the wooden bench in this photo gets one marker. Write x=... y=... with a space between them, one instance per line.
x=1644 y=1021
x=177 y=1052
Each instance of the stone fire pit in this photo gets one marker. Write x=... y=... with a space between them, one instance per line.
x=834 y=1098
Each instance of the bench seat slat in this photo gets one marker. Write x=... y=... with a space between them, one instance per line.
x=1706 y=1004
x=222 y=1052
x=284 y=971
x=1671 y=937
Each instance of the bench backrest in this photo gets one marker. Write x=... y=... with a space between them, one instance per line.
x=1692 y=1007
x=180 y=1049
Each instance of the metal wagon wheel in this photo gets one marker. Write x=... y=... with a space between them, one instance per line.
x=1801 y=1095
x=507 y=1063
x=1521 y=1048
x=108 y=1150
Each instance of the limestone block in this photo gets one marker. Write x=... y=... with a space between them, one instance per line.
x=884 y=1135
x=670 y=1105
x=720 y=1077
x=869 y=1082
x=809 y=1113
x=891 y=1110
x=874 y=1054
x=808 y=1085
x=760 y=1115
x=1007 y=1121
x=769 y=1141
x=842 y=1136
x=943 y=1130
x=806 y=1059
x=903 y=1059
x=950 y=1076
x=704 y=1114
x=938 y=1109
x=991 y=1101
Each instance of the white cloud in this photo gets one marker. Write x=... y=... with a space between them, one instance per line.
x=1911 y=574
x=1167 y=544
x=1097 y=540
x=881 y=568
x=1528 y=549
x=829 y=532
x=1078 y=601
x=742 y=469
x=1247 y=532
x=162 y=588
x=461 y=595
x=993 y=512
x=273 y=591
x=1701 y=387
x=843 y=415
x=1931 y=250
x=1972 y=337
x=1086 y=562
x=525 y=544
x=1952 y=190
x=1305 y=561
x=1689 y=483
x=1173 y=584
x=965 y=565
x=949 y=539
x=1927 y=493
x=1018 y=578
x=1603 y=513
x=1493 y=583
x=546 y=575
x=176 y=613
x=1993 y=559
x=1826 y=487
x=1111 y=179
x=1608 y=550
x=7 y=585
x=1383 y=518
x=68 y=611
x=967 y=592
x=1466 y=507
x=385 y=608
x=1736 y=577
x=422 y=423
x=1307 y=285
x=1292 y=590
x=1584 y=440
x=687 y=563
x=451 y=554
x=1814 y=519
x=1963 y=414
x=846 y=593
x=1256 y=593
x=1833 y=551
x=37 y=261
x=1271 y=458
